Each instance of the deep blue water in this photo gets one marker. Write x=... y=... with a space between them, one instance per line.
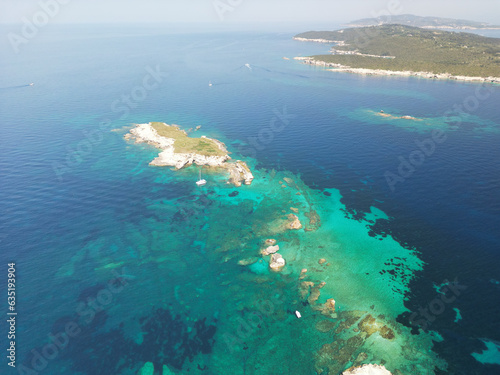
x=448 y=209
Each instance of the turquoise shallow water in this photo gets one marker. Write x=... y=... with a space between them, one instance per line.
x=146 y=263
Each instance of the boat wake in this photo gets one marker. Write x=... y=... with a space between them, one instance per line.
x=16 y=87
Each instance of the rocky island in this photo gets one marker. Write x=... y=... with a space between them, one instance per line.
x=179 y=150
x=408 y=51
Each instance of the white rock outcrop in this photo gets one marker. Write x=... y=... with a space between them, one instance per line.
x=270 y=250
x=277 y=262
x=314 y=40
x=367 y=370
x=293 y=222
x=238 y=172
x=170 y=158
x=380 y=72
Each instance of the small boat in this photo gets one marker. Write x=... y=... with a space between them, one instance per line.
x=210 y=84
x=297 y=314
x=32 y=84
x=201 y=182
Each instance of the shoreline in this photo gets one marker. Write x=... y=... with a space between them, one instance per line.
x=316 y=40
x=404 y=73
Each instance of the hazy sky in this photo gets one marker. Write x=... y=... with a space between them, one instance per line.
x=243 y=11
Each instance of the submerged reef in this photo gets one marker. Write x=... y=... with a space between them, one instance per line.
x=252 y=260
x=168 y=341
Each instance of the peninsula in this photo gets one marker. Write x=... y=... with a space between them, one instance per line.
x=410 y=51
x=179 y=150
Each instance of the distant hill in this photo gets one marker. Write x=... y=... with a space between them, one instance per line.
x=405 y=48
x=425 y=22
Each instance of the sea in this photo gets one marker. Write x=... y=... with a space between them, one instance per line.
x=119 y=267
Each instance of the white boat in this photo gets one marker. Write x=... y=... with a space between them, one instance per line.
x=297 y=314
x=201 y=182
x=32 y=84
x=210 y=83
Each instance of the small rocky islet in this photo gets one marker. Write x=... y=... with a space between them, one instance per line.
x=179 y=150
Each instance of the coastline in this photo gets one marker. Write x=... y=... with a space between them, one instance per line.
x=316 y=40
x=408 y=73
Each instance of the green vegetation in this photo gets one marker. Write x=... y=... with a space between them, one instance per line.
x=414 y=49
x=417 y=21
x=185 y=144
